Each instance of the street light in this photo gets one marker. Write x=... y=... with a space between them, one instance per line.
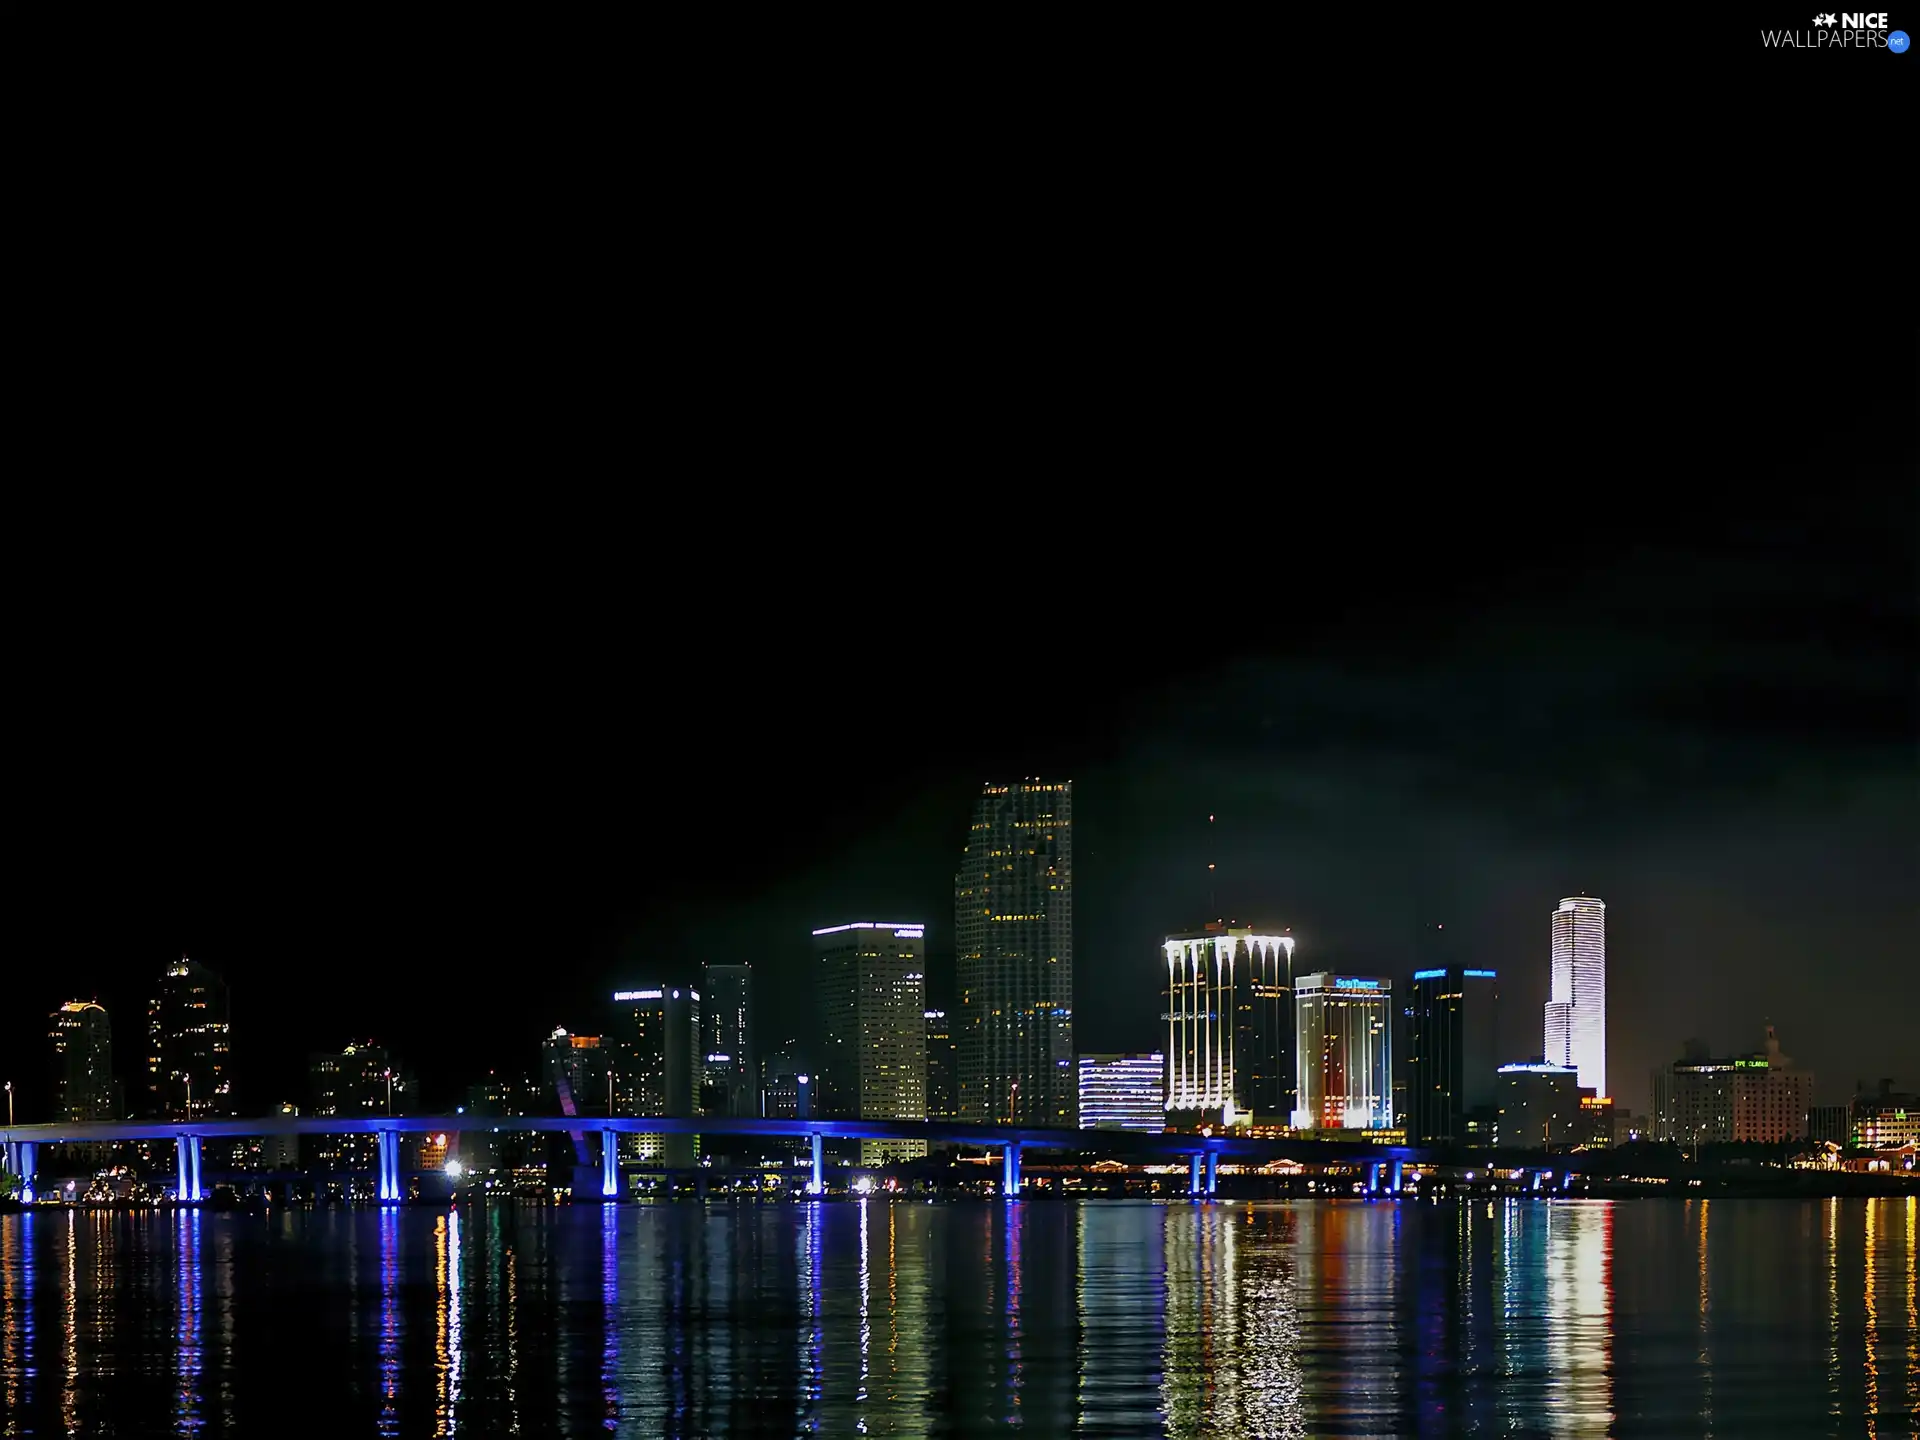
x=9 y=1104
x=189 y=1097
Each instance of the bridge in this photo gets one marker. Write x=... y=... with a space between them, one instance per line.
x=1383 y=1163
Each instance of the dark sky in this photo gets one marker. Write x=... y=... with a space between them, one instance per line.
x=435 y=714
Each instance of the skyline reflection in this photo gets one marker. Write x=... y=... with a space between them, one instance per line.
x=1569 y=1318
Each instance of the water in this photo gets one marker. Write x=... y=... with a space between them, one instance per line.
x=1649 y=1317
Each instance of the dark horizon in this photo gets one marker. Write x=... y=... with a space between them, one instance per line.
x=446 y=776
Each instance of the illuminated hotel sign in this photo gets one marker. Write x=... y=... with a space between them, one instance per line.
x=636 y=994
x=1429 y=974
x=1345 y=984
x=1482 y=975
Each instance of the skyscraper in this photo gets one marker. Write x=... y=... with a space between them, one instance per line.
x=359 y=1081
x=1345 y=1051
x=82 y=1042
x=1013 y=933
x=187 y=1045
x=1452 y=1052
x=726 y=1026
x=871 y=984
x=1123 y=1092
x=939 y=1067
x=1576 y=1018
x=660 y=1038
x=1229 y=993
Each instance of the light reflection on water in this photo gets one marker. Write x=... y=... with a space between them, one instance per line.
x=1748 y=1318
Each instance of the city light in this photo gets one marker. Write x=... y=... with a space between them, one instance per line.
x=454 y=1169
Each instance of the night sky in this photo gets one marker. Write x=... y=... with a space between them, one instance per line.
x=438 y=731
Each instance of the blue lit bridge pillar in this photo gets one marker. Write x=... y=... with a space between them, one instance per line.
x=389 y=1164
x=11 y=1162
x=1537 y=1175
x=819 y=1185
x=186 y=1156
x=1213 y=1170
x=26 y=1163
x=609 y=1165
x=1010 y=1179
x=1373 y=1179
x=1193 y=1175
x=1396 y=1175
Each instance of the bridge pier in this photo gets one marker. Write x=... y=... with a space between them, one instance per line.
x=1010 y=1179
x=609 y=1166
x=1396 y=1176
x=389 y=1165
x=26 y=1162
x=11 y=1161
x=1213 y=1171
x=1193 y=1175
x=186 y=1157
x=819 y=1185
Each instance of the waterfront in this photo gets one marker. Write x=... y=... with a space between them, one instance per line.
x=1652 y=1317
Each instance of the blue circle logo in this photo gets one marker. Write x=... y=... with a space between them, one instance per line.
x=1897 y=42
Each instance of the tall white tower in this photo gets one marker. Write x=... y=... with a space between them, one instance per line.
x=1576 y=1018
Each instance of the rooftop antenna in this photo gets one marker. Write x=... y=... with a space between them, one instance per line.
x=1211 y=900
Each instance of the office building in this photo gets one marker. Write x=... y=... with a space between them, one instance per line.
x=1830 y=1124
x=187 y=1038
x=1576 y=1018
x=1013 y=936
x=1539 y=1106
x=579 y=1071
x=1123 y=1092
x=1452 y=1052
x=1228 y=997
x=360 y=1081
x=666 y=1067
x=1885 y=1119
x=494 y=1151
x=727 y=1041
x=871 y=984
x=1756 y=1098
x=786 y=1085
x=1345 y=1049
x=940 y=1067
x=280 y=1154
x=82 y=1045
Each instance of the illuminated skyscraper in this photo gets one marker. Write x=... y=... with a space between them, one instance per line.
x=187 y=1045
x=1013 y=932
x=1345 y=1052
x=1123 y=1092
x=360 y=1081
x=1451 y=1053
x=1576 y=1018
x=940 y=1075
x=1229 y=993
x=82 y=1044
x=726 y=1029
x=872 y=990
x=659 y=1039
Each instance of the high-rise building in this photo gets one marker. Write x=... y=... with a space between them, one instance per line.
x=1885 y=1119
x=871 y=984
x=1228 y=998
x=661 y=1029
x=585 y=1066
x=82 y=1042
x=1013 y=933
x=940 y=1067
x=786 y=1085
x=187 y=1037
x=359 y=1081
x=1759 y=1097
x=1123 y=1092
x=1451 y=1052
x=1576 y=1018
x=727 y=1041
x=1539 y=1105
x=1345 y=1050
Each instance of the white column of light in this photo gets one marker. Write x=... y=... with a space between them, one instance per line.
x=1173 y=1009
